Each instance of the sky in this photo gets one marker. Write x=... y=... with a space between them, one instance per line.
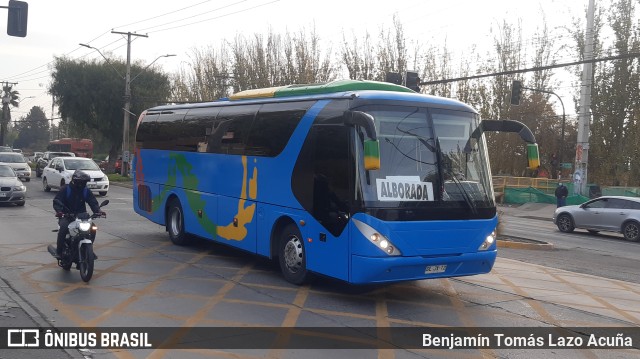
x=56 y=28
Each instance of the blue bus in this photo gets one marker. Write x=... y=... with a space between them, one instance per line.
x=363 y=181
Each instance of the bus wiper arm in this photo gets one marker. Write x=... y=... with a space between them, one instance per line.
x=465 y=194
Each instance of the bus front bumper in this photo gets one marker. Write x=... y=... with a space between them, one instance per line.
x=366 y=270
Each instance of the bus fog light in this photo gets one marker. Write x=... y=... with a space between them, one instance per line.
x=384 y=244
x=375 y=237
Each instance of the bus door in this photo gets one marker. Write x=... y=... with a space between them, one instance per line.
x=321 y=183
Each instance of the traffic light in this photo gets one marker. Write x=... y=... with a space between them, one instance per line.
x=393 y=77
x=516 y=92
x=412 y=81
x=17 y=18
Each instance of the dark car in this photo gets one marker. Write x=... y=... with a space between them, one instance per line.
x=607 y=213
x=48 y=156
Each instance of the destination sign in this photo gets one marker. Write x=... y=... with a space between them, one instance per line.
x=404 y=188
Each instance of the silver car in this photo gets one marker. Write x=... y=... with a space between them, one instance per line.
x=18 y=163
x=11 y=188
x=607 y=213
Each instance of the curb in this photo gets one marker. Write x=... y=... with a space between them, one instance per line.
x=524 y=243
x=122 y=184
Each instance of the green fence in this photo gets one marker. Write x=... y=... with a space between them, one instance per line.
x=534 y=195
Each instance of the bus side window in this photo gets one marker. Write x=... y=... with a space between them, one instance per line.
x=197 y=128
x=232 y=128
x=273 y=127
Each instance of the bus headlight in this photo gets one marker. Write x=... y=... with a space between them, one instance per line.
x=488 y=241
x=377 y=239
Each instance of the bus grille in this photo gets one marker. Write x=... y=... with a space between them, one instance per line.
x=144 y=198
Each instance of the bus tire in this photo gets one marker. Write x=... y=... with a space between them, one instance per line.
x=175 y=223
x=292 y=255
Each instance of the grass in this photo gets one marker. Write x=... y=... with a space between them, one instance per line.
x=114 y=177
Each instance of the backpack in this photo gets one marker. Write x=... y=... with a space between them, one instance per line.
x=84 y=193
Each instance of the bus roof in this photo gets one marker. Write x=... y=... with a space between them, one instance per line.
x=334 y=89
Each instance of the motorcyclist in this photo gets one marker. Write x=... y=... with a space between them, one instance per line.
x=74 y=196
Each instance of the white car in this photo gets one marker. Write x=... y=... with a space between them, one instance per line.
x=18 y=163
x=60 y=169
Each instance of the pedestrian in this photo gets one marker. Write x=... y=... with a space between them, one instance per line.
x=561 y=194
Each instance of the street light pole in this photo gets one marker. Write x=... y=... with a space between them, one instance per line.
x=127 y=96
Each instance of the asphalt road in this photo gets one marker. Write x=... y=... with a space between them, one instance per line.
x=141 y=279
x=607 y=255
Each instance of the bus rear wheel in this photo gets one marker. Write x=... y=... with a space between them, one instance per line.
x=175 y=223
x=292 y=256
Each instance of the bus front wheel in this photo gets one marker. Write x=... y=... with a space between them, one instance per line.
x=175 y=224
x=292 y=256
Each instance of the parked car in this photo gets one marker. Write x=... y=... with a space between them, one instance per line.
x=60 y=169
x=117 y=166
x=607 y=213
x=18 y=163
x=5 y=149
x=48 y=156
x=11 y=188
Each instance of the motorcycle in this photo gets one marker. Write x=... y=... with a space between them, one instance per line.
x=78 y=245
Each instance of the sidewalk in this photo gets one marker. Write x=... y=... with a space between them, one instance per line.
x=15 y=312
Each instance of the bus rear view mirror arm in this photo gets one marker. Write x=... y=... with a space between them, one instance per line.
x=501 y=126
x=362 y=119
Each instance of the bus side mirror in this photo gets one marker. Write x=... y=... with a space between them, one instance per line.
x=533 y=156
x=371 y=145
x=371 y=155
x=17 y=18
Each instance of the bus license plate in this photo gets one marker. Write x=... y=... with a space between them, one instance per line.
x=435 y=269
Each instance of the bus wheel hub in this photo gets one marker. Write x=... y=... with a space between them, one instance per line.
x=293 y=253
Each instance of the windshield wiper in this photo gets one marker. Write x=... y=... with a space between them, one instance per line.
x=465 y=194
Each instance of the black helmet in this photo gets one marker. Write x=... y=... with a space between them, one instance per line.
x=80 y=179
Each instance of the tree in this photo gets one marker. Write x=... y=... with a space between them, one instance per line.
x=90 y=95
x=33 y=130
x=9 y=98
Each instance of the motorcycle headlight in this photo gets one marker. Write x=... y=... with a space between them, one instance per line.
x=84 y=226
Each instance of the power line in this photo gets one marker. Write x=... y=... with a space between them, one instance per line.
x=539 y=68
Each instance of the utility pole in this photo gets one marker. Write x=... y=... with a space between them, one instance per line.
x=127 y=104
x=584 y=114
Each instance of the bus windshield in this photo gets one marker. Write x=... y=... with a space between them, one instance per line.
x=423 y=161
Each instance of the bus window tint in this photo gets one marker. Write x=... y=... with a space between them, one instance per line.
x=273 y=127
x=231 y=129
x=197 y=125
x=320 y=177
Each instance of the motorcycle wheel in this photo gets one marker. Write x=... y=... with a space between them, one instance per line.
x=85 y=262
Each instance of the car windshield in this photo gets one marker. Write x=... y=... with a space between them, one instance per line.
x=80 y=164
x=11 y=157
x=6 y=171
